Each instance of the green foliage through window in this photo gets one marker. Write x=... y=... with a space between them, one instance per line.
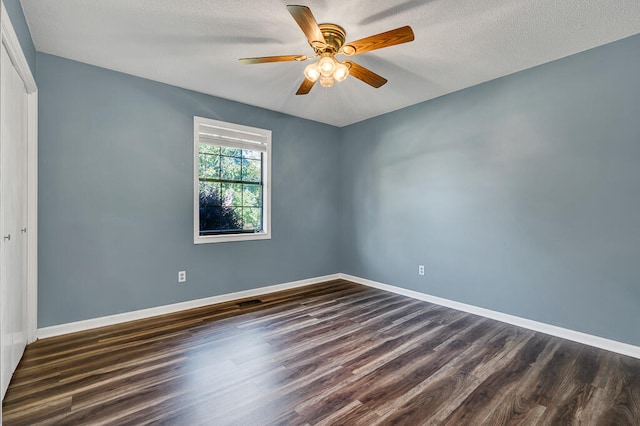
x=230 y=190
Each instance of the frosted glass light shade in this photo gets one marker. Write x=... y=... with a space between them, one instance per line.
x=341 y=73
x=326 y=81
x=327 y=66
x=312 y=72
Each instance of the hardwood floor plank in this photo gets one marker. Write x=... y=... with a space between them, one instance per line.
x=426 y=400
x=286 y=398
x=352 y=414
x=476 y=407
x=415 y=364
x=335 y=353
x=453 y=381
x=623 y=384
x=29 y=415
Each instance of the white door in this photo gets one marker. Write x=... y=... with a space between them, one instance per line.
x=13 y=219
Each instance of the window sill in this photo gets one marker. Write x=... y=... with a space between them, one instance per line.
x=208 y=239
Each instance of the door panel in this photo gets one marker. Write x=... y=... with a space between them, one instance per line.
x=13 y=198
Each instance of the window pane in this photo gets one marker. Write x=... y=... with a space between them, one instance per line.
x=232 y=194
x=209 y=149
x=230 y=168
x=231 y=218
x=252 y=155
x=210 y=218
x=251 y=218
x=251 y=170
x=210 y=194
x=209 y=166
x=231 y=152
x=214 y=219
x=252 y=195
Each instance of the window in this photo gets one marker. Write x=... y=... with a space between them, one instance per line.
x=232 y=170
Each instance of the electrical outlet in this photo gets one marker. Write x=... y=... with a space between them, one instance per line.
x=420 y=269
x=182 y=276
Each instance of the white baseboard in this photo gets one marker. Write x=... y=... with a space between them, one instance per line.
x=576 y=336
x=72 y=327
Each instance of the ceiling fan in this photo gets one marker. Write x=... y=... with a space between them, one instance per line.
x=327 y=40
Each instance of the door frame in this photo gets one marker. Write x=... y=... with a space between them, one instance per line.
x=9 y=39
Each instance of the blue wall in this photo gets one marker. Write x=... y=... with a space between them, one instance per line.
x=14 y=10
x=116 y=196
x=521 y=195
x=518 y=195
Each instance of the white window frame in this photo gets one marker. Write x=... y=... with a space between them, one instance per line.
x=244 y=134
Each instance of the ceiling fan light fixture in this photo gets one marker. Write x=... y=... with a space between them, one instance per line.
x=326 y=81
x=341 y=72
x=327 y=65
x=312 y=72
x=328 y=40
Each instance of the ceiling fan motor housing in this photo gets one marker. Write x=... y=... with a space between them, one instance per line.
x=334 y=37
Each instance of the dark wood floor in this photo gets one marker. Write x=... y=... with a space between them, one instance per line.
x=337 y=353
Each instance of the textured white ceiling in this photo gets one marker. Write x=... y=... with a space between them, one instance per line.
x=196 y=44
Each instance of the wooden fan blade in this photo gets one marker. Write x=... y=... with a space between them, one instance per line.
x=378 y=41
x=308 y=24
x=265 y=59
x=366 y=75
x=305 y=87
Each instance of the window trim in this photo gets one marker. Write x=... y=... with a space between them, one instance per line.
x=265 y=234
